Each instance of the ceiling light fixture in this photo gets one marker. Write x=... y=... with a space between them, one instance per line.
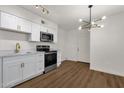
x=43 y=9
x=92 y=23
x=36 y=6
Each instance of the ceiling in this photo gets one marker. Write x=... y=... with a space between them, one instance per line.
x=67 y=16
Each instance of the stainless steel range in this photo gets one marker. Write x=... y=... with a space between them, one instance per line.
x=50 y=57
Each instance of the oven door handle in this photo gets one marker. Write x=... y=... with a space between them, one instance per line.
x=50 y=53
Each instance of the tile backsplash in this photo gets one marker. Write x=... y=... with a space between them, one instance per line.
x=10 y=45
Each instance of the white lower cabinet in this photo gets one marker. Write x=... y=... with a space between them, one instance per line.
x=20 y=68
x=29 y=67
x=58 y=58
x=0 y=72
x=12 y=73
x=40 y=63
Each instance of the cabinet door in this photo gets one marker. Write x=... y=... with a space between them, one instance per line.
x=8 y=21
x=35 y=33
x=23 y=25
x=58 y=58
x=29 y=67
x=0 y=72
x=54 y=32
x=40 y=63
x=12 y=73
x=43 y=29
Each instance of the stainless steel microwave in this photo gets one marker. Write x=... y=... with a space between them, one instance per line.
x=46 y=37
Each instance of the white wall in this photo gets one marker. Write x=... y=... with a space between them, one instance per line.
x=62 y=42
x=107 y=46
x=78 y=39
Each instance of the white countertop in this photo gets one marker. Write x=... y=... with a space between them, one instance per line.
x=19 y=54
x=10 y=53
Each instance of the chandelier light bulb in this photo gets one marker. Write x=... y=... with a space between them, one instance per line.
x=80 y=20
x=92 y=23
x=80 y=28
x=104 y=17
x=102 y=26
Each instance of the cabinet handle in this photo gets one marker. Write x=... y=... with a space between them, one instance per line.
x=18 y=27
x=21 y=65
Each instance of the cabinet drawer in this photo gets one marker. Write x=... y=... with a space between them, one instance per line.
x=6 y=59
x=18 y=58
x=40 y=57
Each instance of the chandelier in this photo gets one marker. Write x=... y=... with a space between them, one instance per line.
x=92 y=23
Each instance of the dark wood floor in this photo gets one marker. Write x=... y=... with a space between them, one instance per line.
x=74 y=75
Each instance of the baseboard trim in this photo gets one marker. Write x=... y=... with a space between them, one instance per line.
x=76 y=61
x=107 y=72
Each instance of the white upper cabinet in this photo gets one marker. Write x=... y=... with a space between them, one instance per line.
x=23 y=25
x=54 y=32
x=35 y=32
x=43 y=29
x=0 y=72
x=8 y=21
x=12 y=22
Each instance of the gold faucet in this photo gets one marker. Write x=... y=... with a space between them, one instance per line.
x=18 y=47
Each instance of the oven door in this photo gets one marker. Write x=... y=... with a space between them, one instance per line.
x=50 y=58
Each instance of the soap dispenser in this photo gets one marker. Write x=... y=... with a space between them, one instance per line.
x=18 y=47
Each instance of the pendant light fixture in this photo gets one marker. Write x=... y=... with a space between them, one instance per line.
x=91 y=23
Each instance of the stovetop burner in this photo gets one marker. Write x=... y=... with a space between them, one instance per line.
x=44 y=48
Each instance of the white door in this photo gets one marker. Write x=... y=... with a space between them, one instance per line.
x=83 y=46
x=29 y=68
x=0 y=72
x=72 y=46
x=8 y=21
x=23 y=25
x=12 y=73
x=35 y=33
